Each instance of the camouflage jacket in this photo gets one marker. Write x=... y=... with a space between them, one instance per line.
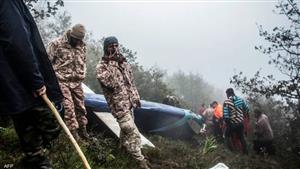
x=116 y=80
x=69 y=63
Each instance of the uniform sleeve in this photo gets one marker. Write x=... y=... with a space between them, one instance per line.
x=82 y=74
x=81 y=65
x=15 y=33
x=84 y=65
x=104 y=76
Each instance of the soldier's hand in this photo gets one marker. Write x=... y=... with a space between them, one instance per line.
x=40 y=91
x=113 y=53
x=137 y=104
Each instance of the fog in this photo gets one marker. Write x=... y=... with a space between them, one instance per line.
x=212 y=38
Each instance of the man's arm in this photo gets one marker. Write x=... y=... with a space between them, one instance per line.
x=82 y=74
x=16 y=36
x=104 y=76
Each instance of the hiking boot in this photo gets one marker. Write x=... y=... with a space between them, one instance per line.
x=84 y=134
x=144 y=164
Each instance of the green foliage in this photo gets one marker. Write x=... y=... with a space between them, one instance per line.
x=45 y=8
x=129 y=54
x=286 y=131
x=105 y=153
x=283 y=51
x=168 y=154
x=9 y=135
x=9 y=146
x=94 y=53
x=150 y=83
x=54 y=27
x=176 y=154
x=193 y=89
x=210 y=145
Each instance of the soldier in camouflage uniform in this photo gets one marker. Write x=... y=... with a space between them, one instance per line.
x=116 y=79
x=68 y=57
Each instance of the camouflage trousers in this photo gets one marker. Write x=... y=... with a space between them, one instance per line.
x=35 y=128
x=75 y=112
x=130 y=136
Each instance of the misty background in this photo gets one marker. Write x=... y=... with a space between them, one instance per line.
x=190 y=49
x=212 y=38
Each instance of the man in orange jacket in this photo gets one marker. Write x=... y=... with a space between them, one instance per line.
x=218 y=120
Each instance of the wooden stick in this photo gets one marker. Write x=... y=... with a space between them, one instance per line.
x=61 y=122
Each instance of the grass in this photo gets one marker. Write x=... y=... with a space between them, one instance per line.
x=197 y=153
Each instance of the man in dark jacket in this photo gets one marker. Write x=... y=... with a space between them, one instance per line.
x=26 y=73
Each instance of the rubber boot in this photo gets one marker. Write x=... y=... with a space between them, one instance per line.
x=84 y=135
